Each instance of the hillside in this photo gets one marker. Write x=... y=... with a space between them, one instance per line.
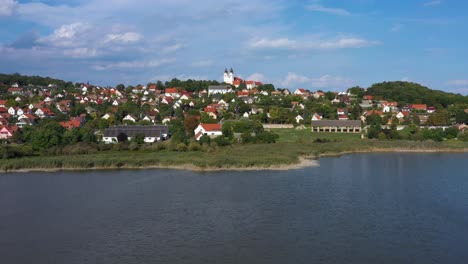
x=23 y=80
x=408 y=92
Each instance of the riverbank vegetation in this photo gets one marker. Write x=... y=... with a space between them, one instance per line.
x=292 y=144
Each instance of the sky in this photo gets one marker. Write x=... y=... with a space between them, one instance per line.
x=312 y=44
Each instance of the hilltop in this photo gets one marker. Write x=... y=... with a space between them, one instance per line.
x=414 y=93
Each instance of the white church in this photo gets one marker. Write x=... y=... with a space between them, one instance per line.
x=229 y=76
x=236 y=81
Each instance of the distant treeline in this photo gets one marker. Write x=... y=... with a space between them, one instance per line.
x=23 y=80
x=413 y=93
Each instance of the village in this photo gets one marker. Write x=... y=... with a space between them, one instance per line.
x=115 y=114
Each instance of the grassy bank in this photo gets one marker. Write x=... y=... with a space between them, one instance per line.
x=292 y=145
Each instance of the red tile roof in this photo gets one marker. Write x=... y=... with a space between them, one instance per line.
x=211 y=127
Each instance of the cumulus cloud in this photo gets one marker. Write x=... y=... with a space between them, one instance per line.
x=81 y=52
x=293 y=79
x=319 y=44
x=324 y=81
x=134 y=64
x=173 y=48
x=7 y=7
x=328 y=10
x=257 y=77
x=127 y=37
x=68 y=35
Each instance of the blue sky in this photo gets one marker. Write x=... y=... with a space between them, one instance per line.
x=316 y=44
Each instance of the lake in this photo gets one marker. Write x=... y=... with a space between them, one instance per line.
x=369 y=208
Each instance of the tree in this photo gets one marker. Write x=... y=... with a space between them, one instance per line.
x=139 y=139
x=122 y=137
x=190 y=123
x=120 y=87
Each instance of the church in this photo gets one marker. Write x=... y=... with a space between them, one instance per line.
x=229 y=76
x=236 y=81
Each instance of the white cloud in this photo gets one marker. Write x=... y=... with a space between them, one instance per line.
x=134 y=64
x=127 y=37
x=68 y=35
x=265 y=43
x=7 y=7
x=257 y=77
x=328 y=10
x=81 y=52
x=319 y=44
x=324 y=81
x=458 y=82
x=294 y=79
x=433 y=3
x=172 y=48
x=202 y=63
x=329 y=81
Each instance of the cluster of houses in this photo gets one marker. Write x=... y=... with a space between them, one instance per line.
x=27 y=105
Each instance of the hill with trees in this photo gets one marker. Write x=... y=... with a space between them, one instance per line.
x=413 y=93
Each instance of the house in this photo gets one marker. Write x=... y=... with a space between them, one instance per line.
x=388 y=107
x=7 y=132
x=431 y=110
x=211 y=130
x=300 y=91
x=339 y=126
x=317 y=95
x=151 y=133
x=316 y=117
x=218 y=89
x=3 y=103
x=299 y=119
x=12 y=111
x=129 y=118
x=15 y=91
x=343 y=117
x=418 y=107
x=342 y=111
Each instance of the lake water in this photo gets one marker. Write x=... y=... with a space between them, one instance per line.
x=372 y=208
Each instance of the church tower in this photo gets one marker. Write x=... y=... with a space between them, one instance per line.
x=226 y=76
x=229 y=76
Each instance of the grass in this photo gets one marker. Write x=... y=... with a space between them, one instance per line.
x=291 y=145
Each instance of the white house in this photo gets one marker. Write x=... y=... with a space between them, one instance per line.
x=299 y=118
x=218 y=89
x=129 y=118
x=211 y=130
x=12 y=111
x=316 y=117
x=151 y=133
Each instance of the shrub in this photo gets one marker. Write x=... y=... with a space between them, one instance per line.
x=463 y=136
x=222 y=141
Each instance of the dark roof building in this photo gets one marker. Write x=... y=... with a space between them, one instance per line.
x=151 y=133
x=343 y=126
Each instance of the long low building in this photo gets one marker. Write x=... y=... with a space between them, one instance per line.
x=340 y=126
x=151 y=133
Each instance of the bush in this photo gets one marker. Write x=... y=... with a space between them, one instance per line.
x=463 y=136
x=267 y=137
x=181 y=147
x=133 y=146
x=222 y=141
x=194 y=146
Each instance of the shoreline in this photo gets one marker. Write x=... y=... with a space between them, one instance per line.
x=303 y=162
